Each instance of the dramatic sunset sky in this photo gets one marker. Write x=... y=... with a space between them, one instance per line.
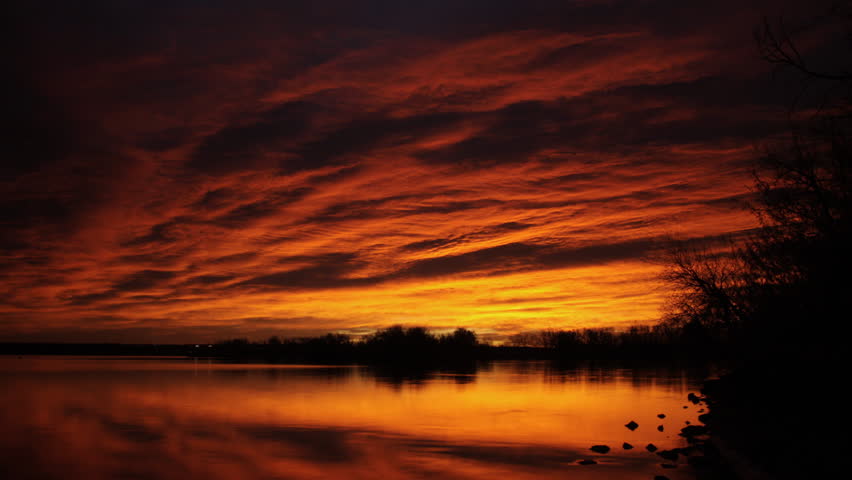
x=189 y=171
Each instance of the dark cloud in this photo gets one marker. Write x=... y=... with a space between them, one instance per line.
x=514 y=132
x=504 y=257
x=166 y=258
x=143 y=280
x=354 y=210
x=339 y=270
x=216 y=199
x=90 y=298
x=516 y=257
x=442 y=98
x=489 y=232
x=325 y=271
x=577 y=55
x=159 y=233
x=208 y=279
x=244 y=214
x=138 y=281
x=430 y=244
x=626 y=117
x=241 y=145
x=508 y=227
x=395 y=206
x=361 y=136
x=453 y=207
x=165 y=140
x=596 y=254
x=21 y=215
x=233 y=258
x=568 y=181
x=342 y=173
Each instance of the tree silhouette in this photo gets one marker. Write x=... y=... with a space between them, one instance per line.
x=786 y=286
x=787 y=270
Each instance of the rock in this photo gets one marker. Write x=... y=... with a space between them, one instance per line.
x=632 y=425
x=661 y=415
x=668 y=454
x=660 y=428
x=686 y=406
x=694 y=398
x=701 y=411
x=626 y=446
x=668 y=465
x=687 y=422
x=587 y=461
x=600 y=449
x=651 y=447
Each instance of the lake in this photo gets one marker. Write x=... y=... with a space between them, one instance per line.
x=184 y=418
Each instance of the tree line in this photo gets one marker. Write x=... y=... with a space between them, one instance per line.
x=419 y=345
x=395 y=343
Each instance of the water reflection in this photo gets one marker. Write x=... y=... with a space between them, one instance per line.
x=187 y=419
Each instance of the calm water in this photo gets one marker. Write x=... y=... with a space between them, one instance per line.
x=156 y=418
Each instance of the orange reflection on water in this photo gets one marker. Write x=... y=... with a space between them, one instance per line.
x=177 y=418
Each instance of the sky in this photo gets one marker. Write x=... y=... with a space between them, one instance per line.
x=189 y=171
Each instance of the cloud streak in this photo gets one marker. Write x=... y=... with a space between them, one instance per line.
x=340 y=169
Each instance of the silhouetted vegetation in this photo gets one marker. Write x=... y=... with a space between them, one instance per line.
x=777 y=288
x=663 y=341
x=777 y=296
x=413 y=346
x=409 y=346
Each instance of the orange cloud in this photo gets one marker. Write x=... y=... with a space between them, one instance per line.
x=257 y=180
